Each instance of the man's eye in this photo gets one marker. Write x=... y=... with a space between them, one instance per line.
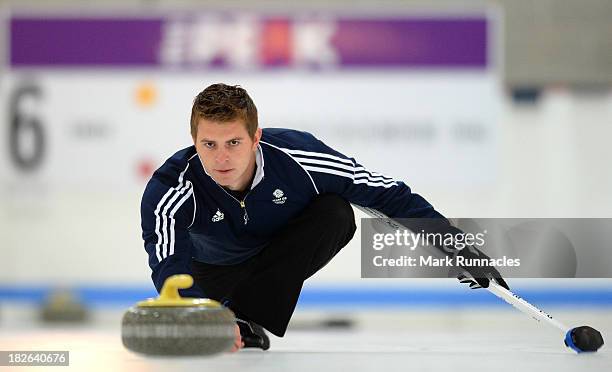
x=210 y=145
x=234 y=142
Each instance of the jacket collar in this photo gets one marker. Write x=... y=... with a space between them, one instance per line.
x=259 y=167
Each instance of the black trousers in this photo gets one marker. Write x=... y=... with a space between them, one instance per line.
x=265 y=288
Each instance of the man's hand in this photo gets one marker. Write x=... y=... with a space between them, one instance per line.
x=238 y=344
x=478 y=276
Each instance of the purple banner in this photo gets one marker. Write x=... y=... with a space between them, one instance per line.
x=87 y=42
x=427 y=43
x=242 y=43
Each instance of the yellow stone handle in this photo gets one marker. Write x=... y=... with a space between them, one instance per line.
x=173 y=284
x=170 y=297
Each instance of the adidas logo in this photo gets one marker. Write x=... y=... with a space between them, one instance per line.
x=279 y=197
x=218 y=216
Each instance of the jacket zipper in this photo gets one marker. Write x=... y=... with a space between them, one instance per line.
x=246 y=215
x=241 y=202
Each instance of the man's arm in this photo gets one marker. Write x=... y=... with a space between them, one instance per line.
x=166 y=214
x=333 y=172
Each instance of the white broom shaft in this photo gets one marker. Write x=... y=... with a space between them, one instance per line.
x=524 y=306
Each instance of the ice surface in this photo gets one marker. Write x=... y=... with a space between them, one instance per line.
x=425 y=340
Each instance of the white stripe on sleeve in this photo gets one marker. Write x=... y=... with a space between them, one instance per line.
x=160 y=222
x=174 y=210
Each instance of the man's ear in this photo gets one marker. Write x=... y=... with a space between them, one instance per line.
x=256 y=138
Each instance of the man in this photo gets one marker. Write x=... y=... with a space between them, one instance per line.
x=252 y=213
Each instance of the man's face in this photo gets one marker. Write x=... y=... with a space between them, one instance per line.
x=227 y=152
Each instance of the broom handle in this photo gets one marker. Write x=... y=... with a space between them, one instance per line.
x=524 y=306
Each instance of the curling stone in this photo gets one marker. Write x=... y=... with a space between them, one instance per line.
x=62 y=306
x=583 y=339
x=171 y=325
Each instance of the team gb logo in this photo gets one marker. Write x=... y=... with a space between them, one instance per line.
x=279 y=197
